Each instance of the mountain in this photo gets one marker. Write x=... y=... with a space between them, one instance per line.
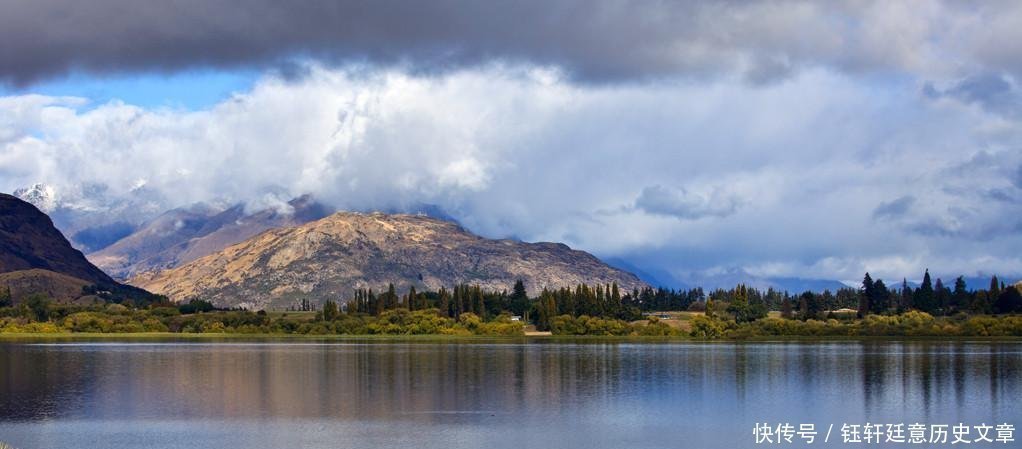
x=972 y=283
x=182 y=235
x=91 y=215
x=798 y=285
x=653 y=276
x=42 y=196
x=730 y=277
x=329 y=258
x=28 y=240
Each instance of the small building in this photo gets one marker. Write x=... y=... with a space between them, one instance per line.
x=516 y=318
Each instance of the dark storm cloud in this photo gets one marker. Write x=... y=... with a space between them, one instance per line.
x=993 y=92
x=591 y=40
x=600 y=40
x=682 y=204
x=894 y=208
x=1002 y=195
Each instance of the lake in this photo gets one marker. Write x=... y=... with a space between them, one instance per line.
x=516 y=394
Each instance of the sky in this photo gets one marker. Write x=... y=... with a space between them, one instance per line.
x=782 y=138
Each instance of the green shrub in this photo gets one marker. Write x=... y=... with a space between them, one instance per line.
x=213 y=327
x=586 y=325
x=154 y=325
x=164 y=311
x=88 y=322
x=656 y=328
x=707 y=328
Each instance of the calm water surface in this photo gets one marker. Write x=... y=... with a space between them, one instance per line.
x=472 y=395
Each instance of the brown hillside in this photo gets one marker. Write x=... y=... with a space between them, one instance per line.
x=329 y=258
x=29 y=240
x=56 y=286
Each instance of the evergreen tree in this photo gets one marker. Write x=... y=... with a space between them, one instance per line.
x=865 y=294
x=546 y=310
x=809 y=306
x=519 y=298
x=995 y=288
x=923 y=299
x=960 y=296
x=1009 y=301
x=981 y=303
x=880 y=298
x=786 y=310
x=906 y=296
x=942 y=296
x=5 y=297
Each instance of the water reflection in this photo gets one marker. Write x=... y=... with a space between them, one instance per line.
x=589 y=395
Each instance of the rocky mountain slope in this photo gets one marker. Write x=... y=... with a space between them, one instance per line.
x=329 y=258
x=182 y=235
x=29 y=241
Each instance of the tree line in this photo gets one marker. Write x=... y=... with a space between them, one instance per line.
x=741 y=303
x=602 y=309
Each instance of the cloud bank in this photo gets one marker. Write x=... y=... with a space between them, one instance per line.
x=687 y=176
x=598 y=41
x=784 y=138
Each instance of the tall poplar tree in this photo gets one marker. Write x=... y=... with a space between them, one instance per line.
x=445 y=302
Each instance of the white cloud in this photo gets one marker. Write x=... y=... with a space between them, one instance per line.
x=784 y=175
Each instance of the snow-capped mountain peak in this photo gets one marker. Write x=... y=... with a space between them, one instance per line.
x=42 y=196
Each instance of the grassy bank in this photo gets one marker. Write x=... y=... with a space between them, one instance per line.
x=186 y=322
x=169 y=337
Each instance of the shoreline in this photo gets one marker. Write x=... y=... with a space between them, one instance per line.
x=226 y=338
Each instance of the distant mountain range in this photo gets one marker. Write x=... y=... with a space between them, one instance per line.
x=330 y=257
x=727 y=279
x=182 y=235
x=981 y=282
x=90 y=216
x=133 y=235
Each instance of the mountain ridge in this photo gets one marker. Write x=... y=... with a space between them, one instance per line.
x=44 y=259
x=28 y=239
x=330 y=257
x=92 y=215
x=182 y=235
